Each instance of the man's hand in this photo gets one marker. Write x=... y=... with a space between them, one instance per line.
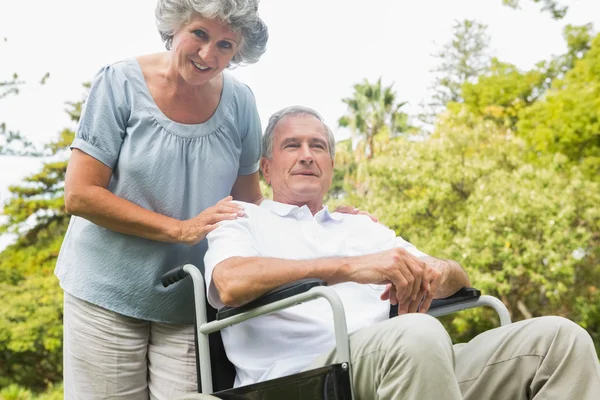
x=403 y=271
x=431 y=282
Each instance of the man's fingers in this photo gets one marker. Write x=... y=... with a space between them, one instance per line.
x=401 y=286
x=386 y=293
x=410 y=282
x=426 y=303
x=393 y=296
x=403 y=308
x=414 y=305
x=417 y=272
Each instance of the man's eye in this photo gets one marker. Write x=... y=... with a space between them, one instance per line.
x=199 y=33
x=291 y=145
x=319 y=146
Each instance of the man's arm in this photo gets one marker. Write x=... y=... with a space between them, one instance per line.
x=453 y=276
x=240 y=280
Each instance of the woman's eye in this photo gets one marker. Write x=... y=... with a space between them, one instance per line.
x=225 y=45
x=199 y=33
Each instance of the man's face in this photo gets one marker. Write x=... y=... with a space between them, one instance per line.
x=300 y=169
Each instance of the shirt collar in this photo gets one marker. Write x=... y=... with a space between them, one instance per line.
x=283 y=210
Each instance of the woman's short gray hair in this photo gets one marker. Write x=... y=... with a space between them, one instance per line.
x=240 y=15
x=267 y=140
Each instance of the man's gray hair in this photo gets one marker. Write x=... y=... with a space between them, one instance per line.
x=240 y=15
x=267 y=140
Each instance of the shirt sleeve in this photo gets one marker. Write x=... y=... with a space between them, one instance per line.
x=104 y=117
x=251 y=137
x=230 y=239
x=409 y=247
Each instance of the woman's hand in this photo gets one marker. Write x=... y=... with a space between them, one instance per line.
x=195 y=229
x=354 y=210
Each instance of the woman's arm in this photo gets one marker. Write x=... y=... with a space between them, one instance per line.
x=87 y=196
x=247 y=188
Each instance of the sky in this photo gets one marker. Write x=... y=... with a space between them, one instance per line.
x=317 y=50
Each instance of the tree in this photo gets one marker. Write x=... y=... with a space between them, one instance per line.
x=12 y=142
x=527 y=233
x=553 y=7
x=373 y=110
x=462 y=60
x=30 y=297
x=502 y=92
x=567 y=120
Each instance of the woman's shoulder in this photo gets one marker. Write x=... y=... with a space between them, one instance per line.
x=241 y=91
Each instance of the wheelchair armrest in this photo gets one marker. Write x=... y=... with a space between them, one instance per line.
x=464 y=295
x=280 y=293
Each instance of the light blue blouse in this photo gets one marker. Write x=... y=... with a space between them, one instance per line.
x=167 y=167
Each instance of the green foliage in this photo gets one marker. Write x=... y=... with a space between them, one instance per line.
x=553 y=7
x=567 y=121
x=373 y=110
x=529 y=234
x=502 y=92
x=15 y=392
x=30 y=297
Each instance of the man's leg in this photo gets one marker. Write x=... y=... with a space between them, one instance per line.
x=407 y=357
x=542 y=358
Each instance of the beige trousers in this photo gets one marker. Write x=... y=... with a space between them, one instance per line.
x=111 y=356
x=412 y=357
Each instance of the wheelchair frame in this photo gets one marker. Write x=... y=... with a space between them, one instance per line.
x=293 y=294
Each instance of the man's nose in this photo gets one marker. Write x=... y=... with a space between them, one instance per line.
x=306 y=156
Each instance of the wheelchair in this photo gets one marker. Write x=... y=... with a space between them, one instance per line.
x=216 y=373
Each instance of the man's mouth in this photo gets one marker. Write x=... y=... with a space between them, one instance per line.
x=200 y=66
x=306 y=173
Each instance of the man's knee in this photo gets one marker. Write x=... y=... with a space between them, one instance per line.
x=419 y=333
x=563 y=329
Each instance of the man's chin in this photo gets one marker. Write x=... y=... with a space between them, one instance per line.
x=307 y=193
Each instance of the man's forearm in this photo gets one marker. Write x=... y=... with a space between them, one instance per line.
x=240 y=280
x=454 y=277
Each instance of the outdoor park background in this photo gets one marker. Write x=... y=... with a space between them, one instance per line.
x=480 y=143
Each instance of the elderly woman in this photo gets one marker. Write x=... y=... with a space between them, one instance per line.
x=164 y=143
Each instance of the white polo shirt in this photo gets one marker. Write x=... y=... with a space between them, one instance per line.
x=288 y=341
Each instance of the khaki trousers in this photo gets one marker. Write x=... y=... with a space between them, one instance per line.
x=412 y=357
x=111 y=356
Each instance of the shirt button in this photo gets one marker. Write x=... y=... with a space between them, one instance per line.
x=300 y=214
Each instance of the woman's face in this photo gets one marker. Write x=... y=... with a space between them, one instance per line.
x=203 y=48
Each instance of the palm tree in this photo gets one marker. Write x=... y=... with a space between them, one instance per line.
x=372 y=109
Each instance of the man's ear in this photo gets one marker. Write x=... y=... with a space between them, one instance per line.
x=265 y=166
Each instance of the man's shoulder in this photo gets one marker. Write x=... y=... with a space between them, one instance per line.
x=362 y=224
x=254 y=212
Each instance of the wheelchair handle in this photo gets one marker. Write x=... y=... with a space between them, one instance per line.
x=173 y=276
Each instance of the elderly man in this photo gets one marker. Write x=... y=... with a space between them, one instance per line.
x=411 y=356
